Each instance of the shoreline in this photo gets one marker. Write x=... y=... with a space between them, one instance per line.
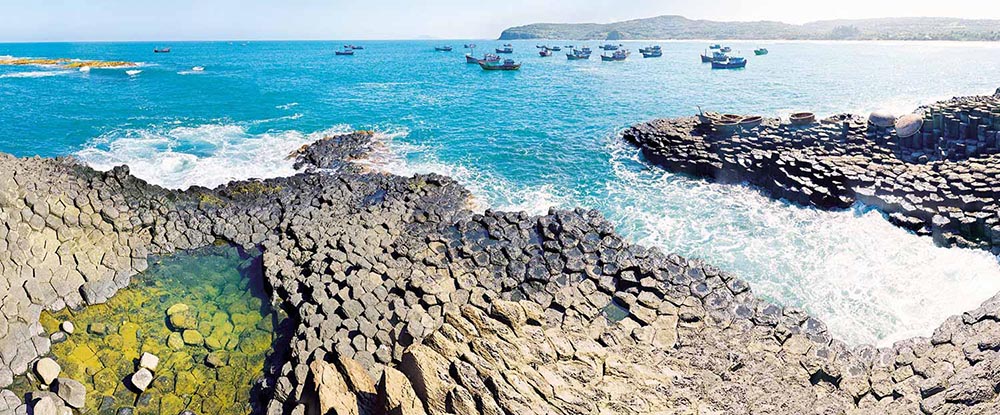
x=391 y=278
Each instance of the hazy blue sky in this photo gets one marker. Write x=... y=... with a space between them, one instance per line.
x=28 y=20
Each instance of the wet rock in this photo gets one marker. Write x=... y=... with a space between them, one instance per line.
x=192 y=338
x=141 y=379
x=149 y=361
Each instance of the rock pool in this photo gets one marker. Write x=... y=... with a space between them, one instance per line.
x=212 y=346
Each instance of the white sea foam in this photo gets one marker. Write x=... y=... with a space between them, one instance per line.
x=869 y=280
x=206 y=155
x=488 y=190
x=287 y=106
x=133 y=72
x=35 y=74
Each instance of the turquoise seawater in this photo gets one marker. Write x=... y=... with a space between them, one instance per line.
x=544 y=136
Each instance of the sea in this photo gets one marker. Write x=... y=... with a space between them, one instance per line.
x=547 y=136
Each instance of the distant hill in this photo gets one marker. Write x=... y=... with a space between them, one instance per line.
x=679 y=27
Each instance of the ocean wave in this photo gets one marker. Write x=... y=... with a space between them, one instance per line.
x=870 y=281
x=35 y=74
x=488 y=190
x=207 y=155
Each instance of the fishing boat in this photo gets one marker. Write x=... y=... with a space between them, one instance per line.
x=618 y=56
x=345 y=52
x=470 y=46
x=545 y=52
x=731 y=63
x=726 y=49
x=715 y=57
x=760 y=52
x=198 y=69
x=506 y=65
x=489 y=57
x=161 y=50
x=609 y=47
x=357 y=47
x=443 y=48
x=556 y=49
x=715 y=46
x=577 y=55
x=652 y=54
x=508 y=48
x=568 y=47
x=655 y=48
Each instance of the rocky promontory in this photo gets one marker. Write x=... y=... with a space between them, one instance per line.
x=937 y=177
x=401 y=300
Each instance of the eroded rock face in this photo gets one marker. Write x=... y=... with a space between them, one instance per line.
x=394 y=279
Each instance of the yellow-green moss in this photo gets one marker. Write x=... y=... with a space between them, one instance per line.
x=255 y=188
x=222 y=291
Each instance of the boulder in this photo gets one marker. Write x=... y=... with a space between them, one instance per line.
x=192 y=337
x=47 y=370
x=141 y=379
x=45 y=406
x=67 y=326
x=72 y=392
x=149 y=361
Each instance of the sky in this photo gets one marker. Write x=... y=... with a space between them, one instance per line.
x=126 y=20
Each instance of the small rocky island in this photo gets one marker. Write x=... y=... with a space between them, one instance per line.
x=401 y=300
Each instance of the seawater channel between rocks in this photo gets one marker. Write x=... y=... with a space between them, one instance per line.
x=210 y=370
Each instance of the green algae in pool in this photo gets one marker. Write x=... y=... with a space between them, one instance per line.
x=210 y=354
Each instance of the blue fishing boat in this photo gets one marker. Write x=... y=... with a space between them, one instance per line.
x=506 y=65
x=652 y=54
x=731 y=63
x=655 y=48
x=508 y=48
x=470 y=46
x=760 y=52
x=714 y=57
x=163 y=50
x=609 y=47
x=345 y=52
x=715 y=46
x=726 y=49
x=556 y=49
x=577 y=55
x=355 y=47
x=443 y=48
x=617 y=56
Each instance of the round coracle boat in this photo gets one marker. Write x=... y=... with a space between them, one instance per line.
x=751 y=122
x=802 y=118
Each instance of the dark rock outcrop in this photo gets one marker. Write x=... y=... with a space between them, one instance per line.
x=941 y=181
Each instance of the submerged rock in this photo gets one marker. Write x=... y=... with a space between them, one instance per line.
x=141 y=379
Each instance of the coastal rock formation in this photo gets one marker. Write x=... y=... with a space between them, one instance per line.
x=942 y=181
x=402 y=300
